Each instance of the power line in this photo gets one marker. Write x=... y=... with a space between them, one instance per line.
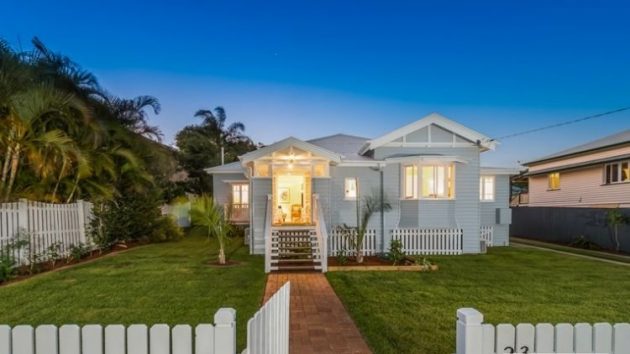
x=562 y=123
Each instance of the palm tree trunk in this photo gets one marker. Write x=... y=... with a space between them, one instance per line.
x=5 y=168
x=15 y=164
x=61 y=173
x=74 y=189
x=221 y=254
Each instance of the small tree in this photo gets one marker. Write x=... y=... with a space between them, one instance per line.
x=206 y=215
x=615 y=218
x=366 y=207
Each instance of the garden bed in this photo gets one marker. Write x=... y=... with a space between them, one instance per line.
x=375 y=263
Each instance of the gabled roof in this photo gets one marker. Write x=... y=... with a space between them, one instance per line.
x=285 y=143
x=439 y=120
x=608 y=141
x=348 y=146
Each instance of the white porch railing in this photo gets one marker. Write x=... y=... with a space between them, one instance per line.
x=430 y=241
x=338 y=242
x=476 y=337
x=322 y=233
x=487 y=234
x=268 y=330
x=267 y=234
x=237 y=213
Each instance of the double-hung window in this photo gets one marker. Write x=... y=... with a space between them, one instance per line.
x=486 y=188
x=553 y=180
x=618 y=172
x=240 y=194
x=438 y=182
x=410 y=182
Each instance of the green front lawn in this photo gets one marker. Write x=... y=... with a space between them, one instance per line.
x=160 y=283
x=403 y=312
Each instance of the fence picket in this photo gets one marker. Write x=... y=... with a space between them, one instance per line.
x=525 y=334
x=115 y=339
x=621 y=338
x=487 y=341
x=22 y=340
x=46 y=339
x=182 y=339
x=92 y=339
x=70 y=339
x=583 y=338
x=204 y=339
x=5 y=339
x=138 y=339
x=159 y=339
x=544 y=338
x=602 y=338
x=506 y=338
x=564 y=338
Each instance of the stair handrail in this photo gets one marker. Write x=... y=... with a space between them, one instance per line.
x=322 y=234
x=267 y=234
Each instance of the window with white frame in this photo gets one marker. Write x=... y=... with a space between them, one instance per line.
x=438 y=182
x=618 y=172
x=240 y=194
x=486 y=188
x=410 y=181
x=350 y=188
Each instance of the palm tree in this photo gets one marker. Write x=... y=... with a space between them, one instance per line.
x=206 y=215
x=132 y=114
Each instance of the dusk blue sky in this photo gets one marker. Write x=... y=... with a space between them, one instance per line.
x=314 y=68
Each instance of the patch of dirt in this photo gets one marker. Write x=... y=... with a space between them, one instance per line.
x=367 y=261
x=228 y=264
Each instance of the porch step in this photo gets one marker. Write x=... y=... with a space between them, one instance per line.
x=294 y=250
x=296 y=268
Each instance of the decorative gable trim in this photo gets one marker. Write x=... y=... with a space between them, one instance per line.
x=285 y=143
x=397 y=137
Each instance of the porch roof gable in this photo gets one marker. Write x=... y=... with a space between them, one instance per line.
x=285 y=143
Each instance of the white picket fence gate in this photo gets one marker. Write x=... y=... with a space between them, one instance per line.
x=338 y=241
x=429 y=241
x=268 y=332
x=487 y=234
x=476 y=337
x=44 y=225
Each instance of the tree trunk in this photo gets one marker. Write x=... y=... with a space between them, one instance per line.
x=618 y=246
x=61 y=174
x=359 y=256
x=221 y=255
x=5 y=168
x=74 y=189
x=15 y=164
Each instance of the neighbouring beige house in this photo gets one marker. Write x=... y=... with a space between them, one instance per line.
x=595 y=175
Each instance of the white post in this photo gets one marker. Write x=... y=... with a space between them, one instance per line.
x=23 y=229
x=81 y=216
x=469 y=331
x=225 y=331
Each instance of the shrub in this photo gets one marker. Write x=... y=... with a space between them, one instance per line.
x=166 y=230
x=396 y=253
x=78 y=251
x=342 y=257
x=53 y=253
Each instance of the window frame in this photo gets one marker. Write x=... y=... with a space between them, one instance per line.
x=449 y=181
x=619 y=172
x=414 y=186
x=240 y=193
x=345 y=188
x=482 y=188
x=550 y=187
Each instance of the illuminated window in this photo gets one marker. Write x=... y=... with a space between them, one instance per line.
x=617 y=172
x=350 y=188
x=438 y=182
x=410 y=182
x=554 y=181
x=486 y=188
x=240 y=194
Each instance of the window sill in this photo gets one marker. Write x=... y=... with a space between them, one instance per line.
x=615 y=183
x=487 y=200
x=429 y=199
x=553 y=190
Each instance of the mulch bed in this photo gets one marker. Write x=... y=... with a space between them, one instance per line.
x=44 y=267
x=375 y=263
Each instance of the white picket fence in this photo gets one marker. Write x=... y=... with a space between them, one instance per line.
x=43 y=225
x=476 y=337
x=268 y=332
x=338 y=241
x=487 y=234
x=429 y=241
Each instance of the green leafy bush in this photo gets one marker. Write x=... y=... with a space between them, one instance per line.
x=166 y=229
x=77 y=252
x=396 y=253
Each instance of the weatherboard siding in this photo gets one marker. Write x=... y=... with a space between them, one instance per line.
x=592 y=156
x=578 y=188
x=221 y=188
x=489 y=210
x=261 y=188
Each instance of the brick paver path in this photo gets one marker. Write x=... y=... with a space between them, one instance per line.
x=319 y=322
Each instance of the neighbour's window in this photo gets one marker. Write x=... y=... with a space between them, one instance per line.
x=410 y=182
x=617 y=172
x=486 y=188
x=240 y=194
x=350 y=188
x=554 y=180
x=438 y=182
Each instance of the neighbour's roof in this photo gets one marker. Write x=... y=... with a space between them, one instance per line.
x=232 y=167
x=611 y=140
x=347 y=146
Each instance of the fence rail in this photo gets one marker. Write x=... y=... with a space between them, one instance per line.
x=268 y=330
x=476 y=337
x=43 y=225
x=429 y=241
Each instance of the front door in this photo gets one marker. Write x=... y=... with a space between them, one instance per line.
x=292 y=196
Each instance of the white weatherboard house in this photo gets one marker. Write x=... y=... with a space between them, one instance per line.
x=293 y=194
